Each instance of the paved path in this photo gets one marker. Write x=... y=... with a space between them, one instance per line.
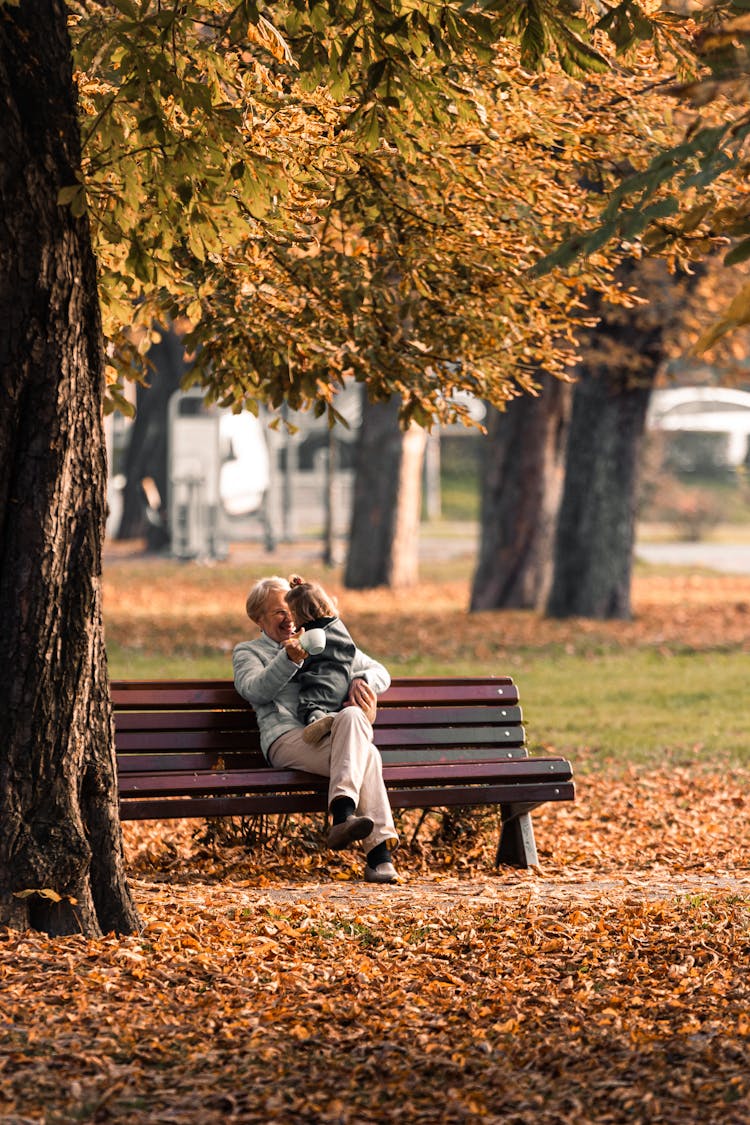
x=461 y=540
x=444 y=894
x=729 y=558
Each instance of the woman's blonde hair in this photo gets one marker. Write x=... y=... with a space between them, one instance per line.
x=256 y=599
x=308 y=600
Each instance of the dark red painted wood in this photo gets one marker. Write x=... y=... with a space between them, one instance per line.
x=193 y=762
x=528 y=796
x=406 y=683
x=399 y=717
x=447 y=773
x=386 y=739
x=175 y=694
x=184 y=720
x=181 y=762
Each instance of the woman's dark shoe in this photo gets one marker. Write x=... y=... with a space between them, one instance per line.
x=382 y=873
x=351 y=829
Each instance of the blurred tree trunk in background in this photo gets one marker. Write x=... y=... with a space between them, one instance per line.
x=621 y=359
x=522 y=479
x=146 y=456
x=386 y=510
x=593 y=557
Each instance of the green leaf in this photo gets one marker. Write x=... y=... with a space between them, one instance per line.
x=371 y=131
x=127 y=7
x=732 y=227
x=74 y=197
x=375 y=74
x=694 y=217
x=576 y=56
x=346 y=50
x=65 y=194
x=534 y=40
x=739 y=253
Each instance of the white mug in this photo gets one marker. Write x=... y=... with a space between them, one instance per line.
x=313 y=641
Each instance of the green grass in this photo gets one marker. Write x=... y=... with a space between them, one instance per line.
x=460 y=498
x=730 y=491
x=637 y=707
x=127 y=664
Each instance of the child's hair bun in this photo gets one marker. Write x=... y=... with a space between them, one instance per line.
x=295 y=580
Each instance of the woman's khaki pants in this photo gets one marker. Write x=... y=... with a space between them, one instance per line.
x=350 y=760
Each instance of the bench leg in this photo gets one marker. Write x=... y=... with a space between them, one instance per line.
x=517 y=846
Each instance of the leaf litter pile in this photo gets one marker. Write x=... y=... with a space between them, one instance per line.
x=611 y=984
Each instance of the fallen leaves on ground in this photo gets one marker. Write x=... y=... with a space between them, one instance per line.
x=164 y=609
x=611 y=985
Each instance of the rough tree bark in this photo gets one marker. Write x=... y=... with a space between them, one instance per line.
x=522 y=479
x=596 y=525
x=60 y=837
x=384 y=538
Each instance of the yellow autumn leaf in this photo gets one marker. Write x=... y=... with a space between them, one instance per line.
x=736 y=316
x=45 y=892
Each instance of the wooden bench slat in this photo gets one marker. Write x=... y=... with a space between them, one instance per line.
x=165 y=695
x=466 y=714
x=171 y=760
x=220 y=720
x=386 y=739
x=165 y=808
x=184 y=720
x=192 y=761
x=530 y=794
x=451 y=736
x=450 y=692
x=247 y=805
x=232 y=741
x=407 y=683
x=444 y=773
x=164 y=699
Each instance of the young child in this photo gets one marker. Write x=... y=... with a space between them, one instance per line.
x=324 y=678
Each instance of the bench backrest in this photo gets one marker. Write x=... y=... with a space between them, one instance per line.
x=197 y=725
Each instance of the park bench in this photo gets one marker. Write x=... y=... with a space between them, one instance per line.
x=191 y=749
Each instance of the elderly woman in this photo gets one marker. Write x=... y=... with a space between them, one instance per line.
x=264 y=671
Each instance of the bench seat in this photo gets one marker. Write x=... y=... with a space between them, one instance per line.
x=191 y=749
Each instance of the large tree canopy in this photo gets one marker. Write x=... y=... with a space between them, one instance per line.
x=293 y=189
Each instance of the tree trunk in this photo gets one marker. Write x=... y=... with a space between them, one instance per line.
x=523 y=469
x=147 y=448
x=384 y=539
x=596 y=526
x=61 y=861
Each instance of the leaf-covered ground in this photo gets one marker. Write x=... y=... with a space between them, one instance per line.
x=611 y=985
x=270 y=984
x=167 y=608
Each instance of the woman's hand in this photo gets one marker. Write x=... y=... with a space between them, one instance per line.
x=294 y=649
x=361 y=695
